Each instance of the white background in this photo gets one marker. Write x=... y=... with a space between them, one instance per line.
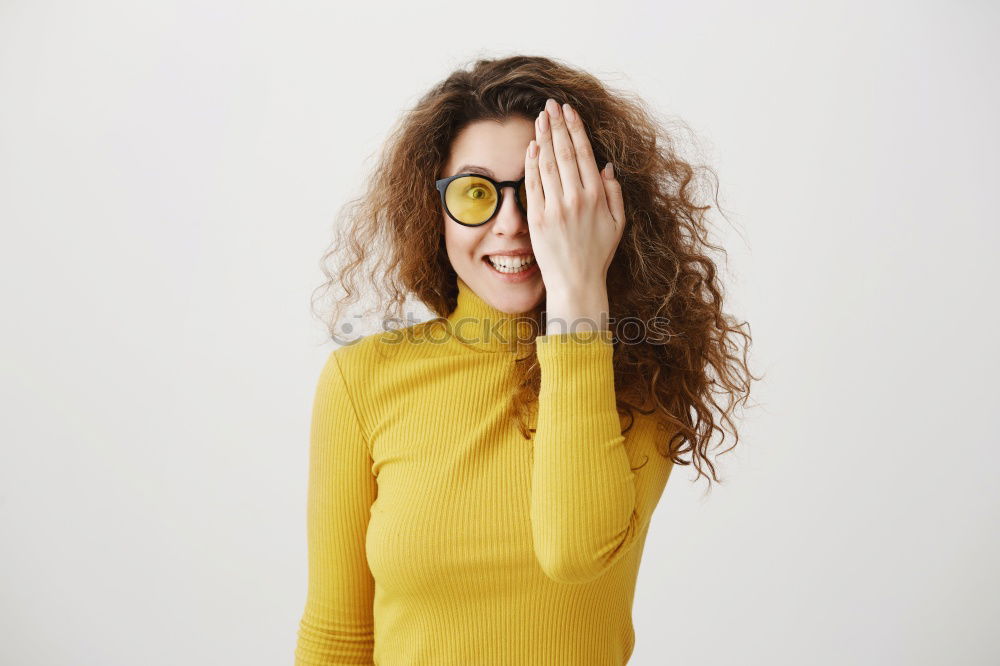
x=169 y=175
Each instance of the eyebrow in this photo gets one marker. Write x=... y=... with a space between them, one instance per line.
x=467 y=168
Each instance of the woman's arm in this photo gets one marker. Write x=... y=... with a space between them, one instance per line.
x=337 y=624
x=587 y=505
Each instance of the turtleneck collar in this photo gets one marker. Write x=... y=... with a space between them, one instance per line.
x=476 y=324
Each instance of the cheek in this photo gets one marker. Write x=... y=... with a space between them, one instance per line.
x=461 y=241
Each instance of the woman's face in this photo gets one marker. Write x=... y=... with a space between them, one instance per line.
x=499 y=148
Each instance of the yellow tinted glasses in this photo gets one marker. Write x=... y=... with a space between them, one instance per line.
x=472 y=199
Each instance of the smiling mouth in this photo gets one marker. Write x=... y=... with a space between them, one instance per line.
x=510 y=264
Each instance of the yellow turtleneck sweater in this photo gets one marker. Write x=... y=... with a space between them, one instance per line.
x=438 y=535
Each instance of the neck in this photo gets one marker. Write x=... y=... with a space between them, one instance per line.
x=478 y=325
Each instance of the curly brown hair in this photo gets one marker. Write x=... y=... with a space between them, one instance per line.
x=661 y=268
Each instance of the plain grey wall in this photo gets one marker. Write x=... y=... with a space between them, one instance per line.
x=169 y=174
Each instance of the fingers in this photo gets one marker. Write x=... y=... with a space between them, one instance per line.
x=562 y=147
x=533 y=183
x=564 y=163
x=586 y=162
x=548 y=169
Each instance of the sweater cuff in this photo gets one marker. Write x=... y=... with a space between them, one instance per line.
x=570 y=343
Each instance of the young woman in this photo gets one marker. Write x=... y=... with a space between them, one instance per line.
x=481 y=484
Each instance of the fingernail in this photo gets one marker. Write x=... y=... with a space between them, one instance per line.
x=609 y=171
x=569 y=112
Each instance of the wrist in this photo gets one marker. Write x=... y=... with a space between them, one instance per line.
x=573 y=310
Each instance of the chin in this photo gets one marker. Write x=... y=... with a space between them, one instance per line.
x=515 y=299
x=510 y=293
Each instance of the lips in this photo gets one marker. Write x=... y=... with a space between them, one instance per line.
x=510 y=253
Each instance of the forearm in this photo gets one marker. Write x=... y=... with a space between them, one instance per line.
x=583 y=492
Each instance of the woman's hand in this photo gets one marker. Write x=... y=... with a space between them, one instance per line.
x=576 y=215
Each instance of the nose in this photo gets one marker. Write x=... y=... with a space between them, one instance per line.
x=510 y=221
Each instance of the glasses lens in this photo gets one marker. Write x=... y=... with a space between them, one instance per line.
x=522 y=196
x=470 y=199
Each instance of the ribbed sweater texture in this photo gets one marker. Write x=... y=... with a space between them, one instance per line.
x=438 y=535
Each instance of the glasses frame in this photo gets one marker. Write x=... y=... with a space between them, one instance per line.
x=499 y=186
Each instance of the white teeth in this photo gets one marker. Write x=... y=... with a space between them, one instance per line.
x=507 y=264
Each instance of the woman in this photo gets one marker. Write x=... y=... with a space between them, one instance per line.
x=481 y=484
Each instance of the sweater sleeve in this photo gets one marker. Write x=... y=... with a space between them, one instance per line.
x=337 y=626
x=587 y=504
